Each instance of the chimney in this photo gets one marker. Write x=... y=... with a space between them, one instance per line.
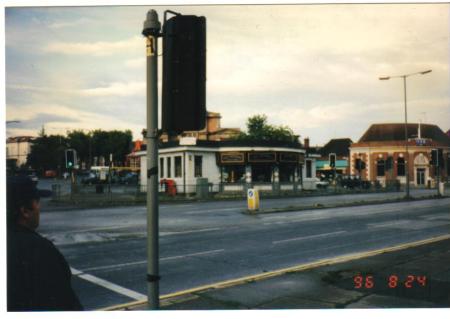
x=306 y=143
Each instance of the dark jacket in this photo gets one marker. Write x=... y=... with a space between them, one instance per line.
x=39 y=278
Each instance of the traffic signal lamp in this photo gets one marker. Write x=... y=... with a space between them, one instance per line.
x=184 y=74
x=332 y=160
x=434 y=157
x=71 y=158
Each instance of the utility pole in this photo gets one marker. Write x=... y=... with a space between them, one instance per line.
x=151 y=32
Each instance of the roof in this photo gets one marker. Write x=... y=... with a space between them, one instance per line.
x=339 y=146
x=234 y=143
x=396 y=132
x=19 y=139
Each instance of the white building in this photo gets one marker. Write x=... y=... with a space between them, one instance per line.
x=233 y=166
x=18 y=148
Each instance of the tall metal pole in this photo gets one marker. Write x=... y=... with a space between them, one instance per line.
x=151 y=32
x=406 y=140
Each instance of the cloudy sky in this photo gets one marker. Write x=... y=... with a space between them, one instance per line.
x=314 y=68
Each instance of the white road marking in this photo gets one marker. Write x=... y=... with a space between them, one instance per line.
x=77 y=272
x=109 y=285
x=308 y=237
x=194 y=254
x=161 y=234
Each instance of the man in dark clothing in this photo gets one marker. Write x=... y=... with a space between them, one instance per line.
x=38 y=276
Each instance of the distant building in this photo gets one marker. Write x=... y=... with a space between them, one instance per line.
x=212 y=132
x=17 y=150
x=380 y=155
x=341 y=148
x=133 y=160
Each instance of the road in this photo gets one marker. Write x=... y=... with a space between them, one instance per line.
x=202 y=243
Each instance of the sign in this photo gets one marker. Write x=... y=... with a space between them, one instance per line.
x=288 y=157
x=232 y=158
x=262 y=157
x=189 y=140
x=252 y=199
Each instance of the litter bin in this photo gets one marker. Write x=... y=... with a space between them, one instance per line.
x=202 y=188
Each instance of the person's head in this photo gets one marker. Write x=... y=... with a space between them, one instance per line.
x=22 y=202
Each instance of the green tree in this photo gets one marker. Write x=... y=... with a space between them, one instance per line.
x=47 y=153
x=259 y=130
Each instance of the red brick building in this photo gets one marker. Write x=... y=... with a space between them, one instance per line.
x=380 y=154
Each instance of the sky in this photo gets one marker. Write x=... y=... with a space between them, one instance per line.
x=313 y=68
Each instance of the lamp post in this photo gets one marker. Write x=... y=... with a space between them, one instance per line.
x=404 y=76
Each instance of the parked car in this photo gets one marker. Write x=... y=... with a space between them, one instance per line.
x=30 y=173
x=130 y=179
x=321 y=183
x=50 y=173
x=88 y=178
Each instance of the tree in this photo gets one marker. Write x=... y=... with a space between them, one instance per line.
x=258 y=130
x=47 y=153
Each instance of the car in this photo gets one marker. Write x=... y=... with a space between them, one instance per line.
x=321 y=183
x=88 y=178
x=130 y=179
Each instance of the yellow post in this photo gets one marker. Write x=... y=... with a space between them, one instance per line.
x=252 y=199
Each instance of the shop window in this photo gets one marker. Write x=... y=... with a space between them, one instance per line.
x=380 y=167
x=233 y=174
x=287 y=172
x=169 y=167
x=177 y=166
x=161 y=167
x=198 y=163
x=308 y=168
x=400 y=166
x=262 y=173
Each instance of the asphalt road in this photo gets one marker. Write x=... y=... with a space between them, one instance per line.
x=202 y=243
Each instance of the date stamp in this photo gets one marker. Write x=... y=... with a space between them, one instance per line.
x=392 y=281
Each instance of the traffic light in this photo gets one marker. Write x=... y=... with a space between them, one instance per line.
x=332 y=160
x=440 y=158
x=434 y=157
x=71 y=158
x=184 y=74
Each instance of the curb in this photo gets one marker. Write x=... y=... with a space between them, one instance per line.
x=302 y=267
x=351 y=204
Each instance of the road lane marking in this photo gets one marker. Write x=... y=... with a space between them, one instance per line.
x=194 y=254
x=301 y=267
x=109 y=285
x=308 y=237
x=145 y=261
x=161 y=234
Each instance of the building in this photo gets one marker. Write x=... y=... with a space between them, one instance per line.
x=339 y=147
x=380 y=154
x=17 y=150
x=233 y=165
x=212 y=131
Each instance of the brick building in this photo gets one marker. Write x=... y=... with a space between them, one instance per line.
x=380 y=154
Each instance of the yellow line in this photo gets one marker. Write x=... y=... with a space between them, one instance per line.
x=302 y=267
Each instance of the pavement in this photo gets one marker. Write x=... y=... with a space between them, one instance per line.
x=413 y=275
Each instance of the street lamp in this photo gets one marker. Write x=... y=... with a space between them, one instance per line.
x=404 y=76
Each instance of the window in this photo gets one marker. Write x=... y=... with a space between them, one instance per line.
x=169 y=167
x=161 y=167
x=287 y=172
x=400 y=166
x=308 y=169
x=198 y=166
x=233 y=174
x=177 y=166
x=262 y=173
x=380 y=167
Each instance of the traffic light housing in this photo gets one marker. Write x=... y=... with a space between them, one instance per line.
x=71 y=158
x=434 y=157
x=184 y=74
x=332 y=160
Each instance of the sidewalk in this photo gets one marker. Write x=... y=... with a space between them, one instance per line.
x=413 y=276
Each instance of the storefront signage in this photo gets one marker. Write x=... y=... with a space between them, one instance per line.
x=262 y=157
x=232 y=158
x=288 y=158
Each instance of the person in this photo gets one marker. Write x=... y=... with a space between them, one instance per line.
x=38 y=276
